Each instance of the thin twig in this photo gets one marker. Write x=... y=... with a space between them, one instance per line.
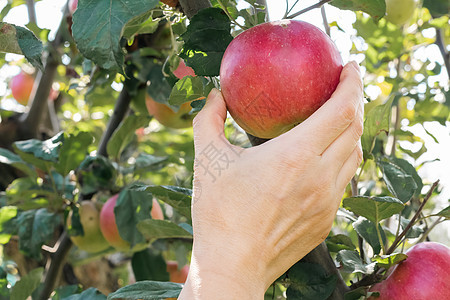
x=445 y=54
x=399 y=238
x=317 y=5
x=325 y=20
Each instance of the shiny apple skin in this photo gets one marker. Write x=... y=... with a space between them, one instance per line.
x=424 y=275
x=275 y=75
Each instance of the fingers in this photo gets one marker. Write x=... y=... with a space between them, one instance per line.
x=332 y=118
x=343 y=146
x=349 y=168
x=209 y=122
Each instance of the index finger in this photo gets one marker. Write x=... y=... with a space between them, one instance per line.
x=333 y=117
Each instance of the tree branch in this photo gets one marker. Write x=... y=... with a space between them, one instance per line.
x=55 y=265
x=120 y=110
x=399 y=238
x=317 y=5
x=191 y=8
x=445 y=54
x=31 y=11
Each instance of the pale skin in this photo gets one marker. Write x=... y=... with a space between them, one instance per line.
x=275 y=202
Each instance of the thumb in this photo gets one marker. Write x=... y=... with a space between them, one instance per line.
x=209 y=123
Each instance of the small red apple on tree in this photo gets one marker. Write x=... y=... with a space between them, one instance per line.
x=177 y=275
x=108 y=223
x=164 y=114
x=275 y=75
x=21 y=87
x=425 y=274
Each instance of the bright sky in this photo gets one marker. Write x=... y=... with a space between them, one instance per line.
x=49 y=14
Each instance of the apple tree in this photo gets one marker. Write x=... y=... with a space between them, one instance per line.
x=96 y=144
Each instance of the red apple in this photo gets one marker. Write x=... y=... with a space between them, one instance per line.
x=183 y=70
x=73 y=6
x=164 y=114
x=92 y=240
x=171 y=3
x=167 y=117
x=108 y=223
x=176 y=275
x=275 y=75
x=425 y=274
x=21 y=87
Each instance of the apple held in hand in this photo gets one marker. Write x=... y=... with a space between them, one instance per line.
x=424 y=275
x=21 y=87
x=108 y=223
x=92 y=241
x=400 y=11
x=275 y=75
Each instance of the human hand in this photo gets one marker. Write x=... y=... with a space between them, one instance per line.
x=269 y=205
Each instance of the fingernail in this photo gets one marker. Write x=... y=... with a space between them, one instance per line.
x=355 y=65
x=213 y=93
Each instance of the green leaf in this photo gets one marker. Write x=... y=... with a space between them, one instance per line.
x=177 y=197
x=387 y=261
x=410 y=170
x=36 y=227
x=143 y=24
x=399 y=183
x=186 y=89
x=148 y=290
x=373 y=208
x=159 y=88
x=96 y=173
x=206 y=40
x=89 y=294
x=19 y=40
x=360 y=293
x=414 y=232
x=9 y=158
x=375 y=8
x=367 y=230
x=122 y=137
x=351 y=262
x=149 y=264
x=23 y=288
x=377 y=121
x=132 y=207
x=98 y=26
x=65 y=291
x=444 y=213
x=73 y=151
x=161 y=229
x=437 y=8
x=339 y=242
x=7 y=213
x=40 y=153
x=310 y=282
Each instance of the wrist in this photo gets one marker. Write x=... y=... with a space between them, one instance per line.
x=220 y=278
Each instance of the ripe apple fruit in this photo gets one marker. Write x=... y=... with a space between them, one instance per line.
x=183 y=70
x=21 y=86
x=171 y=3
x=425 y=274
x=164 y=114
x=108 y=223
x=167 y=117
x=175 y=275
x=400 y=11
x=92 y=241
x=275 y=75
x=73 y=6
